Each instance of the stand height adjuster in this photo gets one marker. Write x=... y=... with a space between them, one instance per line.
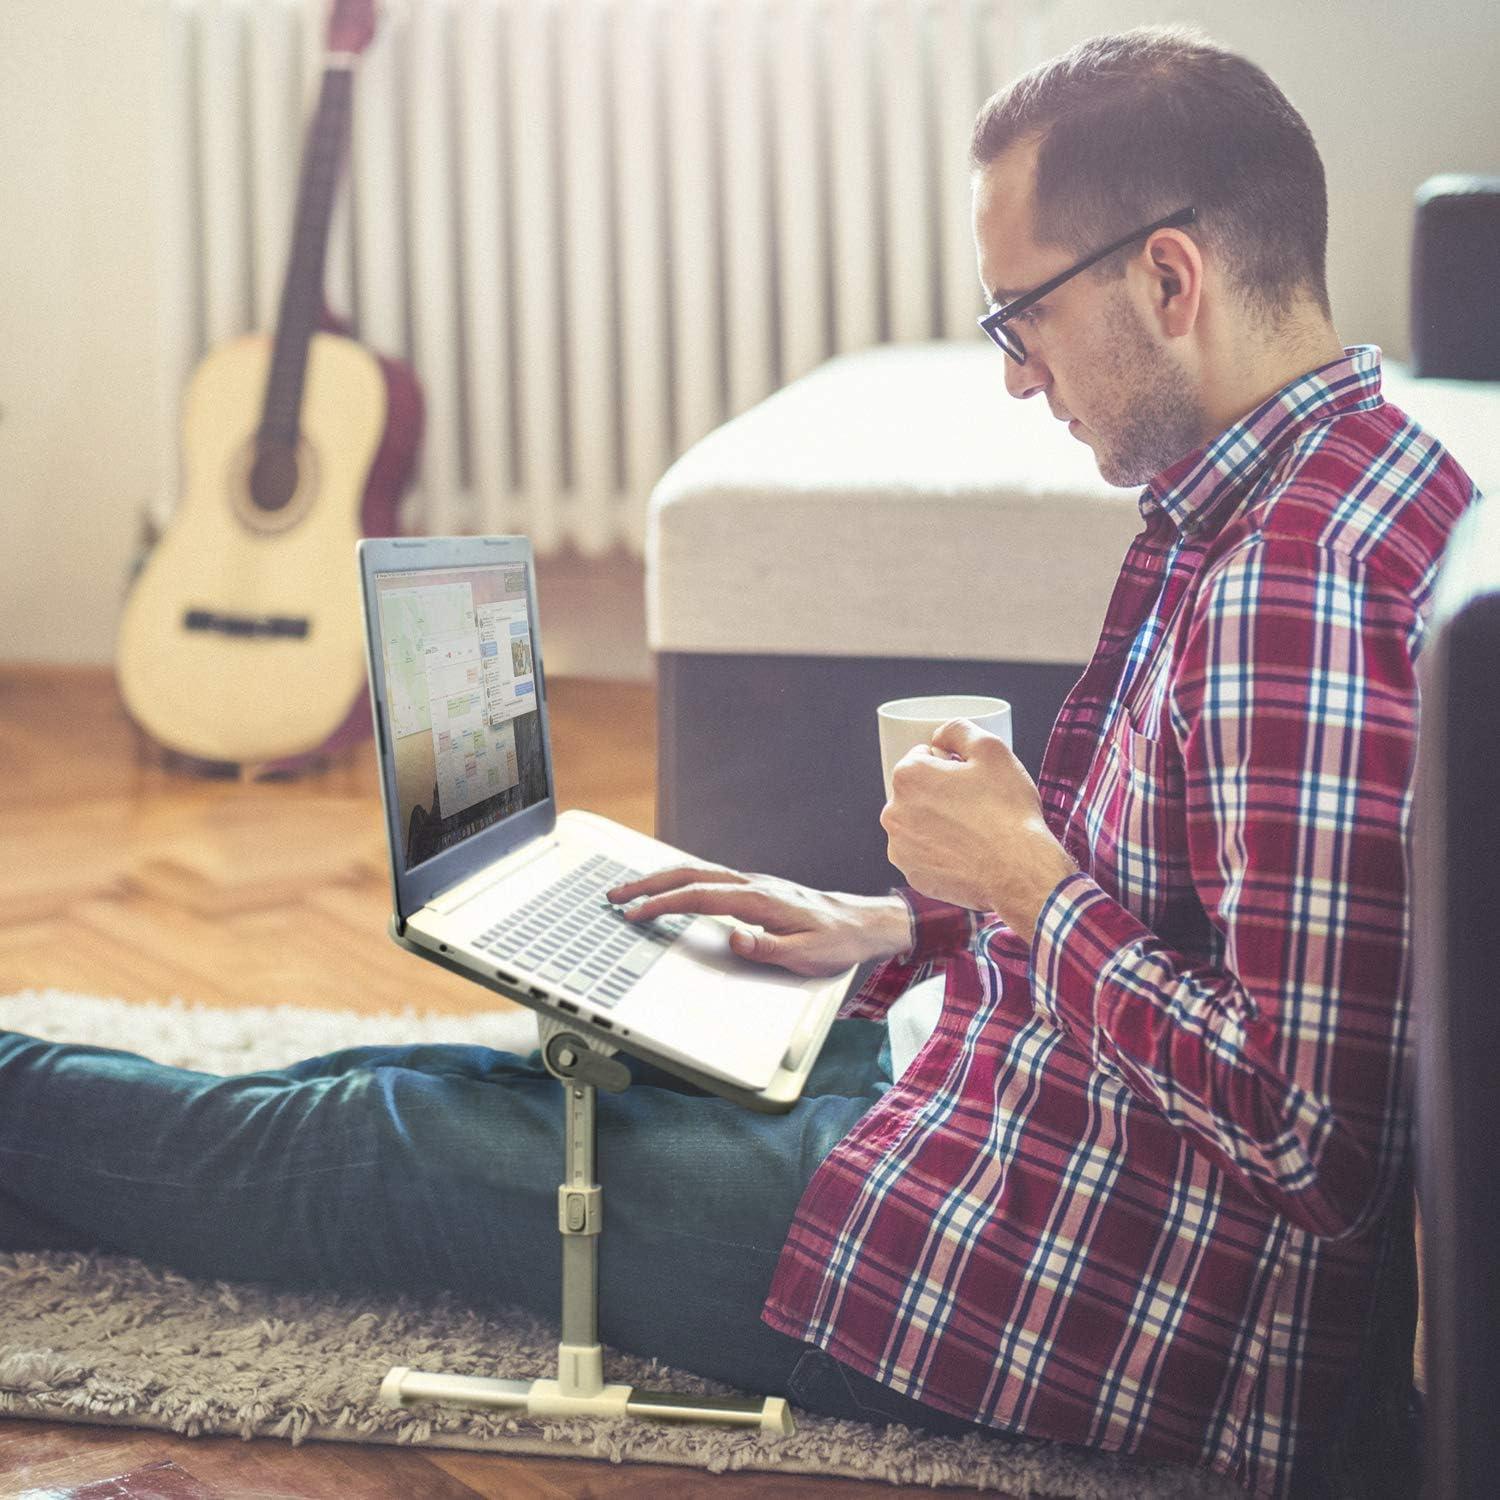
x=580 y=1210
x=581 y=1064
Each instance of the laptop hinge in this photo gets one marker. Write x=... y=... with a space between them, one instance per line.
x=449 y=901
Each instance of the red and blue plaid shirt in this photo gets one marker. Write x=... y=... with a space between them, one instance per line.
x=1135 y=1192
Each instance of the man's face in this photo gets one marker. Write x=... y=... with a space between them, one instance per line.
x=1089 y=348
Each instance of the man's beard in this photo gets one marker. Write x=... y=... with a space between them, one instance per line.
x=1158 y=417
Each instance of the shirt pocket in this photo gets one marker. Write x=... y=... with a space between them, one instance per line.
x=1137 y=823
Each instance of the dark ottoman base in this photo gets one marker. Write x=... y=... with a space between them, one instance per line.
x=772 y=763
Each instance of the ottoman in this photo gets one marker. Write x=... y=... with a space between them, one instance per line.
x=892 y=524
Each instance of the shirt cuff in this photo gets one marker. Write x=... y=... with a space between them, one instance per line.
x=1079 y=938
x=938 y=929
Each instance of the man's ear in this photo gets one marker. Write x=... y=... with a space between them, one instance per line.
x=1173 y=266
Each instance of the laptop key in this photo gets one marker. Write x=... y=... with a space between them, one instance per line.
x=571 y=936
x=638 y=959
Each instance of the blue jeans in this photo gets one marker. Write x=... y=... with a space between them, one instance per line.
x=436 y=1167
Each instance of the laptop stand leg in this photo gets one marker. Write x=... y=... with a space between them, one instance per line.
x=580 y=1389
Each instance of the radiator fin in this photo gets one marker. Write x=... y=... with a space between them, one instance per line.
x=596 y=228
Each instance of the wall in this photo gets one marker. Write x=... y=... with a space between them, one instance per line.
x=78 y=420
x=1393 y=92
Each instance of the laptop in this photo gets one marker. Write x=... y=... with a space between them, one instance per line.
x=489 y=880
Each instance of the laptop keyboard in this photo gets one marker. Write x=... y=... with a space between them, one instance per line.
x=571 y=937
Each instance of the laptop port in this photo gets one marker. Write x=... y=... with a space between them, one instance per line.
x=568 y=1006
x=604 y=1023
x=505 y=978
x=537 y=994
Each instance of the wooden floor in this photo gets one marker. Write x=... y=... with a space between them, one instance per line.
x=120 y=878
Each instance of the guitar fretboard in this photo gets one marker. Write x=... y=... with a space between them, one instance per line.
x=302 y=292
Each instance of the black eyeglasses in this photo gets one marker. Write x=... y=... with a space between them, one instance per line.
x=994 y=322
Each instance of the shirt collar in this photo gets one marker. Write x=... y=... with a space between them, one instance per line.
x=1194 y=491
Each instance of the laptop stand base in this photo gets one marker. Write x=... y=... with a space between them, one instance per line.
x=580 y=1390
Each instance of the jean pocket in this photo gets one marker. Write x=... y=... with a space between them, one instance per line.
x=819 y=1383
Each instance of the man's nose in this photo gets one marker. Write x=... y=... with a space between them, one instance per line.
x=1025 y=380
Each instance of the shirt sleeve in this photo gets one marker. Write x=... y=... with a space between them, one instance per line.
x=939 y=929
x=1294 y=707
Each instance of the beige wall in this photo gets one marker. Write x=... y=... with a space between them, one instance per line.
x=1393 y=92
x=78 y=419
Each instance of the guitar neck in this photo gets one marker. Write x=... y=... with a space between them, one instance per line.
x=302 y=292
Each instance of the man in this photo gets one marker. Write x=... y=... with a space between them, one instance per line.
x=1146 y=1185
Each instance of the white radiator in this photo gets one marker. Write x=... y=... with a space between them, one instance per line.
x=595 y=228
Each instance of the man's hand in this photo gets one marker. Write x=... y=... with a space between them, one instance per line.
x=815 y=933
x=965 y=825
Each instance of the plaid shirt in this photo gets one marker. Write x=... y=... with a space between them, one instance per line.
x=1138 y=1188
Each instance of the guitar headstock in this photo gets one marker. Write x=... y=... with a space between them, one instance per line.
x=351 y=25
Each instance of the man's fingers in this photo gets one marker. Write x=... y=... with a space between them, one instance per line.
x=762 y=947
x=962 y=738
x=667 y=880
x=720 y=900
x=959 y=737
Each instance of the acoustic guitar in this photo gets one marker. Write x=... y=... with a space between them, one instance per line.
x=241 y=642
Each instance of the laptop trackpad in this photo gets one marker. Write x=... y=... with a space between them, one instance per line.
x=707 y=943
x=707 y=1003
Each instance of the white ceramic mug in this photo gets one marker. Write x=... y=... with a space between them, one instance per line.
x=907 y=722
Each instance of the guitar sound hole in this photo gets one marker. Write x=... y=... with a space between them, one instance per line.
x=273 y=476
x=272 y=484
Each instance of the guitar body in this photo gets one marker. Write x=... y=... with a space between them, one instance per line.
x=241 y=639
x=241 y=643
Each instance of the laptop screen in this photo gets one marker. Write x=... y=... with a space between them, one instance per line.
x=461 y=702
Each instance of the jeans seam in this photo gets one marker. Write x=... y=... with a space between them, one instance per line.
x=238 y=1183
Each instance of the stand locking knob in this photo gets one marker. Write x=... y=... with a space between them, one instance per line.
x=571 y=1058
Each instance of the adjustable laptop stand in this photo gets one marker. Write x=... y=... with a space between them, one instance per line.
x=582 y=1065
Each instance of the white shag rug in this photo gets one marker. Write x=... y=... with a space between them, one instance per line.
x=106 y=1339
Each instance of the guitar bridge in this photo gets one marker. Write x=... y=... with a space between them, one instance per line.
x=280 y=626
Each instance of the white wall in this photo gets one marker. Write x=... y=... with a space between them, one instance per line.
x=78 y=417
x=1393 y=92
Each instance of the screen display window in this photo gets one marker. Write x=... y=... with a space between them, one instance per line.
x=461 y=702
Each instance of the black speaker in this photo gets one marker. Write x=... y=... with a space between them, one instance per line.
x=1455 y=279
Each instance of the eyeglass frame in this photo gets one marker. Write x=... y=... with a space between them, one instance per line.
x=993 y=322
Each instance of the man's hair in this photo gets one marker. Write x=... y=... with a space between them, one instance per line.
x=1134 y=125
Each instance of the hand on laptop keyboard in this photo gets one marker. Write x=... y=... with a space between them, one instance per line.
x=569 y=936
x=810 y=932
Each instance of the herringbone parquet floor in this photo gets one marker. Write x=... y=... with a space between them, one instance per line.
x=118 y=877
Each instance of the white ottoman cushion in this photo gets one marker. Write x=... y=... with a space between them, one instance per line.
x=899 y=503
x=1463 y=415
x=895 y=502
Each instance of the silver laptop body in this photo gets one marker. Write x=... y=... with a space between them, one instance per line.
x=490 y=880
